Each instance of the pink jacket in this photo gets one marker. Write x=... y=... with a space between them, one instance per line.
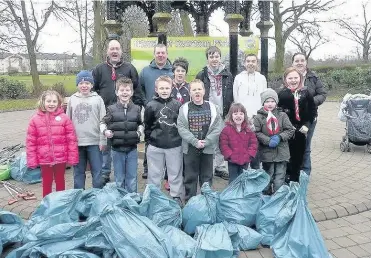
x=51 y=139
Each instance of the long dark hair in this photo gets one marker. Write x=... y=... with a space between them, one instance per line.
x=237 y=107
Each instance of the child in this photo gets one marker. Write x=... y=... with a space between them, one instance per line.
x=86 y=109
x=273 y=130
x=237 y=142
x=51 y=141
x=218 y=82
x=199 y=125
x=164 y=142
x=299 y=105
x=122 y=125
x=180 y=89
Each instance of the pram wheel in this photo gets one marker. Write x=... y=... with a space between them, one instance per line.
x=343 y=147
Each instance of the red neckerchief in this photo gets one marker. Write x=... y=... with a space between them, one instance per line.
x=272 y=120
x=113 y=68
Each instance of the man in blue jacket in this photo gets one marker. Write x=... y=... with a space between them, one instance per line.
x=160 y=65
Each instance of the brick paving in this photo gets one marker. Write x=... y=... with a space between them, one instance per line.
x=338 y=192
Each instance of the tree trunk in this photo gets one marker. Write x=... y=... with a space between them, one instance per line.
x=98 y=25
x=365 y=53
x=186 y=22
x=33 y=66
x=280 y=49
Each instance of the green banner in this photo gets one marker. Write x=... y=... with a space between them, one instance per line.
x=191 y=48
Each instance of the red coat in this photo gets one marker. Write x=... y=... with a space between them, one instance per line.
x=51 y=139
x=238 y=147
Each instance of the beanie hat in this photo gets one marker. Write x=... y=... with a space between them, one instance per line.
x=84 y=75
x=269 y=93
x=182 y=62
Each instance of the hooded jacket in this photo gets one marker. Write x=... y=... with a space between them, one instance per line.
x=238 y=147
x=86 y=112
x=160 y=123
x=315 y=88
x=148 y=76
x=51 y=140
x=281 y=152
x=227 y=87
x=105 y=86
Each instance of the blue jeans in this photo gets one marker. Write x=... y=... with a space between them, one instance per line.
x=234 y=171
x=307 y=162
x=92 y=154
x=107 y=160
x=125 y=166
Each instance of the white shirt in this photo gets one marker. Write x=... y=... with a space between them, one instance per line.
x=247 y=89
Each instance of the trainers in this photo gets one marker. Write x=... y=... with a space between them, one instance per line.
x=166 y=185
x=179 y=201
x=145 y=175
x=222 y=174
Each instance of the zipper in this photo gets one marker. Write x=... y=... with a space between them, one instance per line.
x=50 y=137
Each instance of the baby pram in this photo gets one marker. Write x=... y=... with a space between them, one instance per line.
x=355 y=110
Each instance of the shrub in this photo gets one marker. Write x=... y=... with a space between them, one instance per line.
x=58 y=87
x=12 y=89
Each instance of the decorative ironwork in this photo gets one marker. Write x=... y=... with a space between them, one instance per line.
x=163 y=6
x=111 y=13
x=264 y=9
x=231 y=7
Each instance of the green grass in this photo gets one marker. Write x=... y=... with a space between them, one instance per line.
x=69 y=81
x=17 y=104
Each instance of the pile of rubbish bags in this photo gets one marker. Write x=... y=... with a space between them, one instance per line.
x=111 y=222
x=21 y=173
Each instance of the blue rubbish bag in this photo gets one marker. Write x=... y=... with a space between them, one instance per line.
x=61 y=203
x=133 y=235
x=20 y=172
x=88 y=197
x=213 y=241
x=266 y=217
x=242 y=199
x=77 y=253
x=11 y=228
x=159 y=208
x=200 y=209
x=300 y=236
x=247 y=238
x=183 y=243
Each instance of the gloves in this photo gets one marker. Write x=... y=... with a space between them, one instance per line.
x=304 y=130
x=274 y=141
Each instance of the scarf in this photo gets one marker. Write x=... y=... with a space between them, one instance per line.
x=178 y=86
x=113 y=70
x=296 y=101
x=272 y=123
x=215 y=79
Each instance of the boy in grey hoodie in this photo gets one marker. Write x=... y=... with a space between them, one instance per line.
x=86 y=109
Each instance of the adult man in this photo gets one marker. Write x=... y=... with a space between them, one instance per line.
x=159 y=66
x=218 y=83
x=317 y=90
x=247 y=87
x=105 y=76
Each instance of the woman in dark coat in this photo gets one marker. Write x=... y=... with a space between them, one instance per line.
x=296 y=101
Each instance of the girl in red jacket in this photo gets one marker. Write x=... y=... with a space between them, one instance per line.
x=237 y=141
x=51 y=141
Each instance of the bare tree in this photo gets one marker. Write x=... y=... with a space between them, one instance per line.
x=30 y=25
x=308 y=39
x=287 y=20
x=75 y=13
x=358 y=32
x=98 y=35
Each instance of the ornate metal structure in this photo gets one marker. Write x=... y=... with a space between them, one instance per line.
x=237 y=16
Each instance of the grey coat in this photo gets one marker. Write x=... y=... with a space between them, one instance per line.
x=281 y=152
x=212 y=136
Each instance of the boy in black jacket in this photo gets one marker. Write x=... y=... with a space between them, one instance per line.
x=164 y=142
x=123 y=127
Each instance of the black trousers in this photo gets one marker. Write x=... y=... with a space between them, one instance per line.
x=198 y=167
x=297 y=146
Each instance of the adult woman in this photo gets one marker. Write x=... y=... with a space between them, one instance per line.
x=318 y=92
x=298 y=104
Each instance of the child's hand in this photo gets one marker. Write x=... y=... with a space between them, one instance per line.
x=304 y=130
x=102 y=147
x=200 y=144
x=274 y=141
x=108 y=133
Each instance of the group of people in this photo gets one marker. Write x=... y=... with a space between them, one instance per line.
x=191 y=130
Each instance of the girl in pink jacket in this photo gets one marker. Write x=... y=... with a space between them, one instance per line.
x=51 y=141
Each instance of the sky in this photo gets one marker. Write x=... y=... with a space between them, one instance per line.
x=58 y=37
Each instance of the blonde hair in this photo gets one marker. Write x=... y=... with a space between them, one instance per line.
x=290 y=70
x=124 y=82
x=41 y=102
x=164 y=78
x=197 y=81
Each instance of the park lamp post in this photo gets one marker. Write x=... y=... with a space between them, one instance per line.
x=264 y=25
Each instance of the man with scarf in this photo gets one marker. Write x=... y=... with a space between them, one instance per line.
x=297 y=102
x=105 y=77
x=218 y=83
